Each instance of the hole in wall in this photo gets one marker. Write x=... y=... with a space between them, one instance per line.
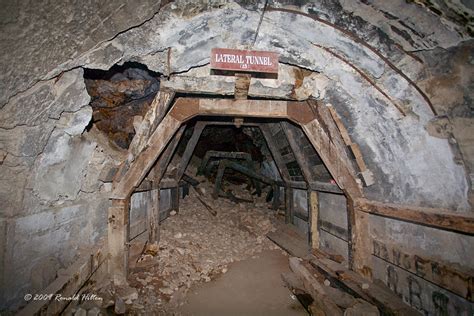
x=120 y=97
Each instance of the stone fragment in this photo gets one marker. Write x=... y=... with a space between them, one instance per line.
x=93 y=312
x=119 y=307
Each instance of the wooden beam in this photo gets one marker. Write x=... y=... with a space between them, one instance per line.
x=242 y=84
x=118 y=230
x=153 y=217
x=324 y=304
x=313 y=207
x=145 y=160
x=325 y=187
x=366 y=174
x=175 y=198
x=163 y=162
x=323 y=134
x=152 y=118
x=376 y=293
x=188 y=152
x=289 y=205
x=295 y=145
x=267 y=135
x=433 y=217
x=243 y=108
x=360 y=243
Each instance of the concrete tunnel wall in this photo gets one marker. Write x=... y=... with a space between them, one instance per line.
x=54 y=182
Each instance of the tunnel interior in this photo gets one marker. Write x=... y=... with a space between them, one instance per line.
x=243 y=171
x=237 y=157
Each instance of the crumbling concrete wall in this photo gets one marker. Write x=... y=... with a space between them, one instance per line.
x=53 y=201
x=359 y=56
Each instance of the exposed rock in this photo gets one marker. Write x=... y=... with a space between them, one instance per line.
x=95 y=311
x=124 y=95
x=63 y=155
x=119 y=307
x=34 y=41
x=80 y=312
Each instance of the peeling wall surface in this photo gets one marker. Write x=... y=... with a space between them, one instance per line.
x=398 y=73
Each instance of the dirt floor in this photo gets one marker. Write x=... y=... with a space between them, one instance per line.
x=250 y=287
x=226 y=260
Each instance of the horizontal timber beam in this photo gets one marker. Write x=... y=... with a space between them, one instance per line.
x=434 y=217
x=299 y=112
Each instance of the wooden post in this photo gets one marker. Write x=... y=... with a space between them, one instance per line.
x=242 y=84
x=360 y=244
x=175 y=198
x=313 y=207
x=118 y=238
x=289 y=205
x=153 y=217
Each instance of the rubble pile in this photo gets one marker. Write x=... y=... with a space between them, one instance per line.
x=196 y=246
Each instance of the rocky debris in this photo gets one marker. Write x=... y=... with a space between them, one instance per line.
x=119 y=306
x=327 y=299
x=197 y=247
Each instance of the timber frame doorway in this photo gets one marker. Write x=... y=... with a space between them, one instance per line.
x=314 y=119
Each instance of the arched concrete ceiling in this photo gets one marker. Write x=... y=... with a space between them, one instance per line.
x=366 y=72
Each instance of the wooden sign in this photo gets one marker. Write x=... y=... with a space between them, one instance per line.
x=244 y=60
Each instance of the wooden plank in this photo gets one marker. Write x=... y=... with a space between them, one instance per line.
x=175 y=199
x=253 y=108
x=297 y=149
x=275 y=152
x=289 y=210
x=118 y=231
x=291 y=240
x=153 y=217
x=433 y=217
x=365 y=173
x=324 y=304
x=163 y=162
x=152 y=118
x=190 y=146
x=332 y=151
x=342 y=129
x=359 y=241
x=143 y=163
x=325 y=187
x=446 y=275
x=244 y=60
x=376 y=294
x=313 y=206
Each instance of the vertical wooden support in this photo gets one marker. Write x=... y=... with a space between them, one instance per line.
x=175 y=198
x=118 y=238
x=242 y=84
x=153 y=217
x=360 y=245
x=289 y=205
x=313 y=207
